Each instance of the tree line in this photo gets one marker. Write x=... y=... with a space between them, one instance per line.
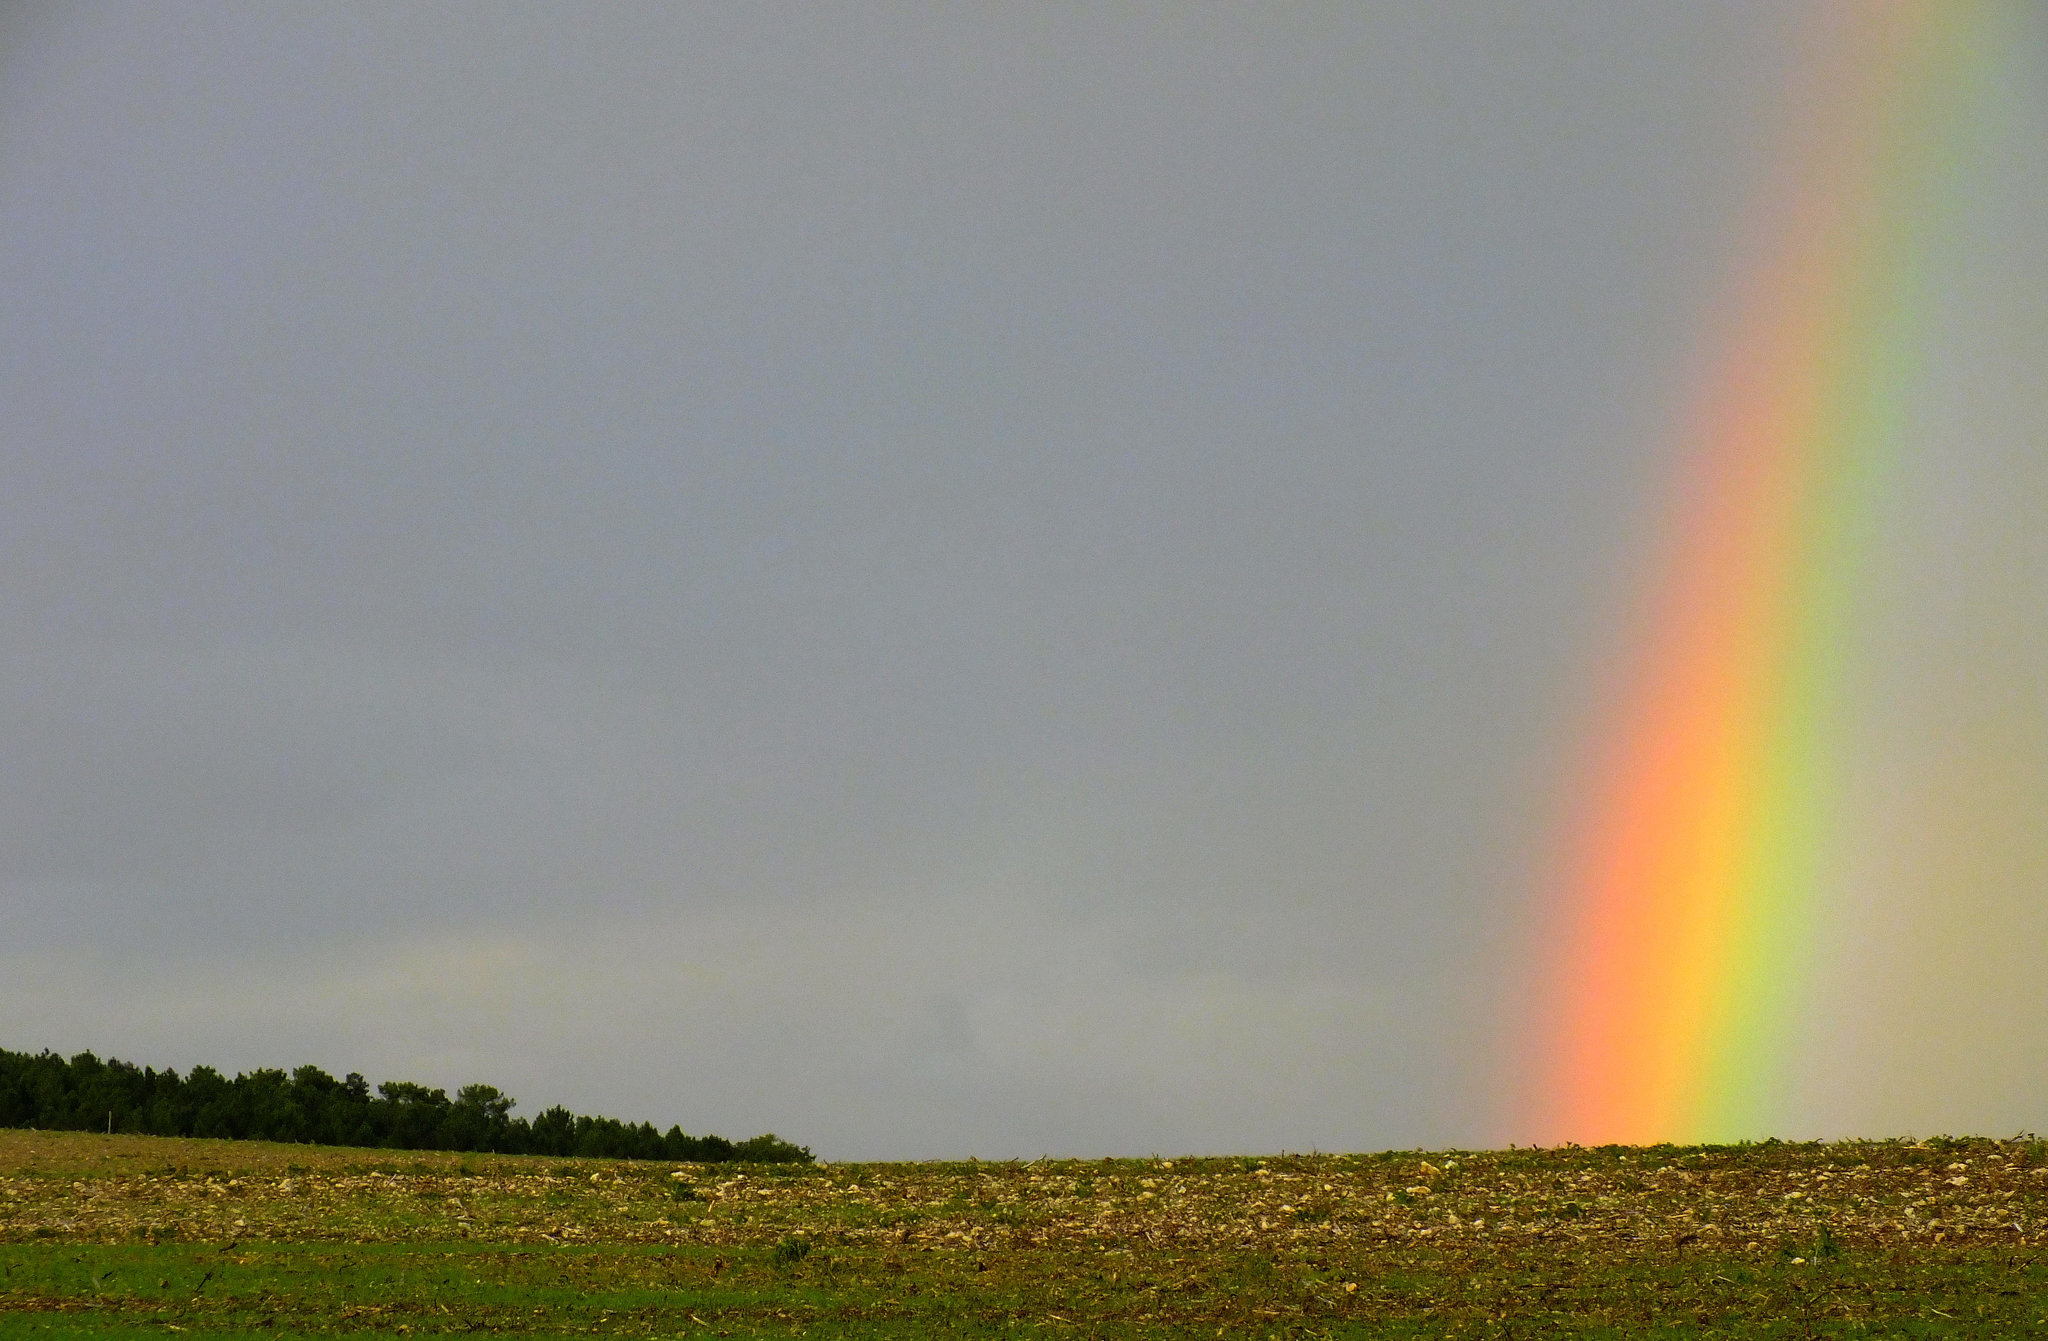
x=83 y=1093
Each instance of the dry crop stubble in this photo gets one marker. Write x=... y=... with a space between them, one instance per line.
x=99 y=1234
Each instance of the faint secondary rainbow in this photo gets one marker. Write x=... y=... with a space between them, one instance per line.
x=1708 y=846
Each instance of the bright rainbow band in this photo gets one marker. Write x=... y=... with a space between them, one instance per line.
x=1710 y=855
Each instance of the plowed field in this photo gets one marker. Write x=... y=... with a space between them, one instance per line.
x=106 y=1236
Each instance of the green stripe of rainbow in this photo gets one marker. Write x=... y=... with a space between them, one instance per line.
x=1698 y=877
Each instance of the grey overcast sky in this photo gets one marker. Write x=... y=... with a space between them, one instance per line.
x=942 y=580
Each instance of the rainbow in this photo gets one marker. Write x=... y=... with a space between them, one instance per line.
x=1708 y=849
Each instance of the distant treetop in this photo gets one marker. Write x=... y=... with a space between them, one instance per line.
x=84 y=1093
